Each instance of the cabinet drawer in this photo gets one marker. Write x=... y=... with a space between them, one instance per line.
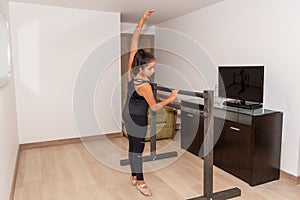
x=235 y=128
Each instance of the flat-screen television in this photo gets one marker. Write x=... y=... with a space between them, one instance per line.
x=243 y=85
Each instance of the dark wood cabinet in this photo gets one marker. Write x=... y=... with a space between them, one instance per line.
x=247 y=143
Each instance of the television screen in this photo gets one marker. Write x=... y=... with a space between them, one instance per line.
x=244 y=83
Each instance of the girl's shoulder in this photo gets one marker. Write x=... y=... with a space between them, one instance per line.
x=143 y=88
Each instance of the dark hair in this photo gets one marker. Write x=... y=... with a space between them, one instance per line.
x=141 y=58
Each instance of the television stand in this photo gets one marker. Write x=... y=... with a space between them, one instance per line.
x=247 y=142
x=242 y=104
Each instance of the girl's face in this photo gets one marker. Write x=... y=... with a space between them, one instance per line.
x=148 y=70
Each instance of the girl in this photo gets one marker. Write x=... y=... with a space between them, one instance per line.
x=139 y=99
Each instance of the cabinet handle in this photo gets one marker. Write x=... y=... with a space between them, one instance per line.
x=190 y=115
x=234 y=128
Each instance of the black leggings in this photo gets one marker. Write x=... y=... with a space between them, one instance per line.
x=136 y=131
x=136 y=148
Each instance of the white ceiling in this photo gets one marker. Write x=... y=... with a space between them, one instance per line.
x=132 y=10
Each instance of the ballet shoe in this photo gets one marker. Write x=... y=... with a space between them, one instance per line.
x=144 y=189
x=133 y=182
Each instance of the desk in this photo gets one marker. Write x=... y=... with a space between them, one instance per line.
x=247 y=142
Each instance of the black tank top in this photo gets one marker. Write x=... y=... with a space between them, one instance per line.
x=136 y=104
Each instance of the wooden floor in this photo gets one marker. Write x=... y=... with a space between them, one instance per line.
x=91 y=170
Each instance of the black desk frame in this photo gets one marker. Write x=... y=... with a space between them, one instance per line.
x=208 y=114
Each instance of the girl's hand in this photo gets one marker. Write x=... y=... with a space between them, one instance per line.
x=174 y=94
x=148 y=13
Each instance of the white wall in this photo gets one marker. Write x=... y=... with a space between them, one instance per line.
x=256 y=32
x=51 y=48
x=8 y=131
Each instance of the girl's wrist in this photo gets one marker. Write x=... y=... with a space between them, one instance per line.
x=144 y=18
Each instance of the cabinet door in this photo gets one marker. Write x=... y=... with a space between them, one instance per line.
x=232 y=151
x=191 y=126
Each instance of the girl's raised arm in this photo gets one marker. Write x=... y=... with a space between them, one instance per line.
x=135 y=39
